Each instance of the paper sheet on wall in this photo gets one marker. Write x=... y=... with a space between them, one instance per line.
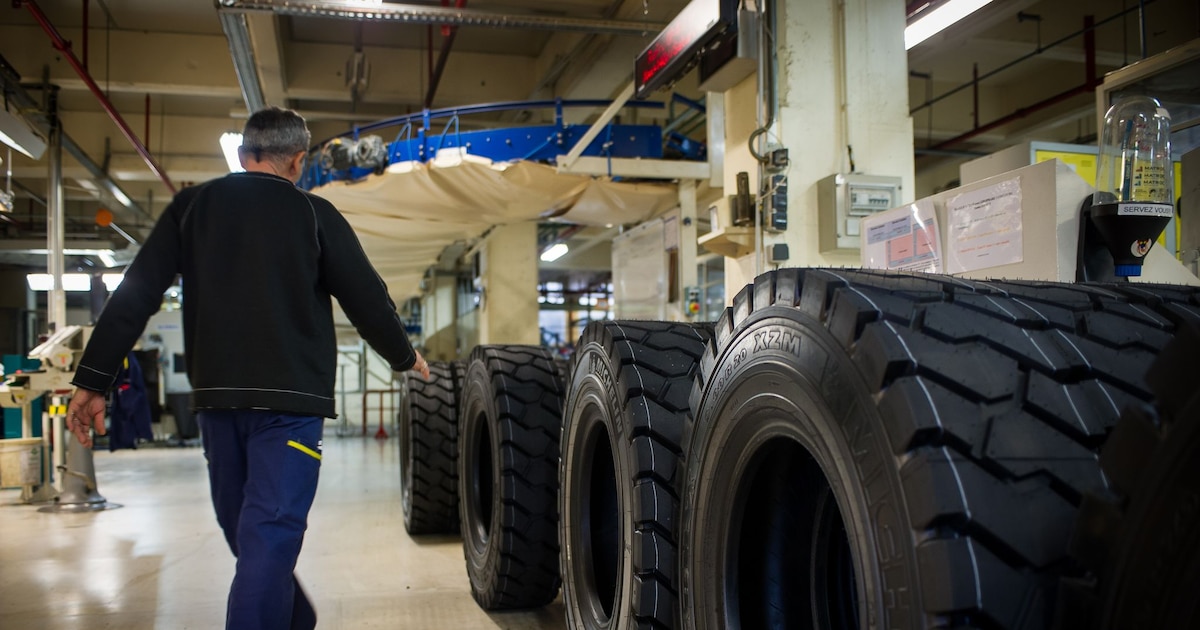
x=904 y=238
x=985 y=228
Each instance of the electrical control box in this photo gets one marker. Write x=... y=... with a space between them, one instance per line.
x=844 y=200
x=776 y=204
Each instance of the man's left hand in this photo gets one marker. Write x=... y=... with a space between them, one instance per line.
x=421 y=366
x=85 y=412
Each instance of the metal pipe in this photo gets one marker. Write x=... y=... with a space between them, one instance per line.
x=1023 y=58
x=41 y=201
x=55 y=232
x=945 y=153
x=975 y=91
x=449 y=33
x=64 y=47
x=1019 y=114
x=237 y=33
x=597 y=127
x=85 y=33
x=1142 y=25
x=102 y=179
x=1089 y=48
x=423 y=14
x=443 y=55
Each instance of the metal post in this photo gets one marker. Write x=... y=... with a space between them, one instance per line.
x=1142 y=25
x=76 y=480
x=55 y=233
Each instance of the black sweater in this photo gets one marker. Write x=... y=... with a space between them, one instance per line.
x=260 y=259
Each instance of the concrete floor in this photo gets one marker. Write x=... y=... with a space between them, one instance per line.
x=161 y=562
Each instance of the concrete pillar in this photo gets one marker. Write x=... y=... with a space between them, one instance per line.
x=439 y=317
x=509 y=312
x=686 y=253
x=1189 y=206
x=842 y=80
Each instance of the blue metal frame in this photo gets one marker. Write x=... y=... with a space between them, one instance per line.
x=418 y=139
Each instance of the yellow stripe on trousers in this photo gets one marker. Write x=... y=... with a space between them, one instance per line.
x=304 y=449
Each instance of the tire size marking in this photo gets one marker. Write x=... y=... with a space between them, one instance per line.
x=773 y=339
x=784 y=340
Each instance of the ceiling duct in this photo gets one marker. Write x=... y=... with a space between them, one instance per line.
x=423 y=14
x=238 y=34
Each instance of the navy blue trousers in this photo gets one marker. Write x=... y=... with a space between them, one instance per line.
x=263 y=468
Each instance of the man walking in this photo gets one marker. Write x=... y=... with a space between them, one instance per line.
x=260 y=260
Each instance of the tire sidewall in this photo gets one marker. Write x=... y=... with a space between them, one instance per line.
x=406 y=455
x=781 y=374
x=478 y=409
x=593 y=400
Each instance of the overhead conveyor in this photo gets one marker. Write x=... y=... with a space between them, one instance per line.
x=435 y=184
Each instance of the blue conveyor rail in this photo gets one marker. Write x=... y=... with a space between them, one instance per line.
x=421 y=135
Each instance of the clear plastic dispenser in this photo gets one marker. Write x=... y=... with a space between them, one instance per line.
x=1134 y=197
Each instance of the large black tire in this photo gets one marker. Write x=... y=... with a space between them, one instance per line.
x=621 y=469
x=1142 y=540
x=429 y=450
x=508 y=475
x=903 y=451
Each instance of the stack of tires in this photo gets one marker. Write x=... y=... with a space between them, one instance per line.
x=848 y=449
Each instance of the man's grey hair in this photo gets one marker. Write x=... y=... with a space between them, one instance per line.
x=275 y=134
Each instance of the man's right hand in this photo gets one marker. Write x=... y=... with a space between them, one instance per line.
x=85 y=412
x=421 y=367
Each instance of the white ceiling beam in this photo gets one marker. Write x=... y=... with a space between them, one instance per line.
x=1058 y=53
x=315 y=72
x=637 y=168
x=157 y=89
x=188 y=64
x=920 y=132
x=130 y=168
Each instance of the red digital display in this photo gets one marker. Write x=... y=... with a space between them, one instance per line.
x=677 y=45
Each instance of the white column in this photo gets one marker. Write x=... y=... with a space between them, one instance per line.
x=510 y=308
x=842 y=80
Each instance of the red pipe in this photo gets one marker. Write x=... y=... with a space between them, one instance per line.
x=64 y=47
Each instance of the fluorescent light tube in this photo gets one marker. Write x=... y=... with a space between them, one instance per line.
x=938 y=19
x=230 y=143
x=121 y=196
x=16 y=134
x=112 y=280
x=554 y=252
x=71 y=282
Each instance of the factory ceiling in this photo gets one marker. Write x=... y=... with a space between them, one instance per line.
x=183 y=72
